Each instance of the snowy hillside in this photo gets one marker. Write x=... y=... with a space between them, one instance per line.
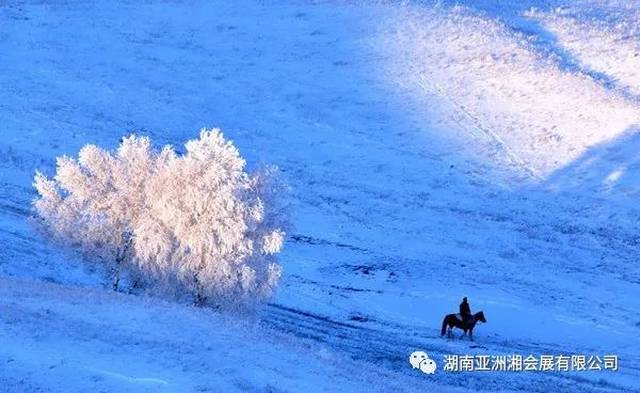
x=486 y=149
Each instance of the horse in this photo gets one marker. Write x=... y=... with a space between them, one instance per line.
x=450 y=321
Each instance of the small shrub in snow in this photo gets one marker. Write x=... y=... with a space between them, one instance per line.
x=197 y=222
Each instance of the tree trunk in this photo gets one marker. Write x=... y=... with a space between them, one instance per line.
x=121 y=254
x=116 y=277
x=199 y=300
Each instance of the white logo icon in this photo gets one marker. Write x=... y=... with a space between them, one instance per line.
x=420 y=360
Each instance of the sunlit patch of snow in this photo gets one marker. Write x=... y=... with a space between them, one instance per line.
x=613 y=177
x=541 y=114
x=134 y=380
x=610 y=48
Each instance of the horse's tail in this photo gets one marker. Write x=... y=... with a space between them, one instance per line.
x=444 y=326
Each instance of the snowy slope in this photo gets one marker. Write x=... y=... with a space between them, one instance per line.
x=61 y=339
x=599 y=38
x=485 y=149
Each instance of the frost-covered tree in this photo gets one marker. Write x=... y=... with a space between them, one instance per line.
x=197 y=222
x=225 y=225
x=95 y=203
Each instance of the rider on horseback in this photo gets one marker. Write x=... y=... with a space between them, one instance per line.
x=465 y=311
x=465 y=320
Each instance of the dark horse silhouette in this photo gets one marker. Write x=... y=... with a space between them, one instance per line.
x=450 y=321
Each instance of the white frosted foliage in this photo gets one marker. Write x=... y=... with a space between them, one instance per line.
x=197 y=222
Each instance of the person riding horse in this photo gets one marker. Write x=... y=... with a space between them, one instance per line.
x=465 y=320
x=465 y=311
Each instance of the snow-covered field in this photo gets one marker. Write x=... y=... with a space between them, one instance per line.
x=482 y=148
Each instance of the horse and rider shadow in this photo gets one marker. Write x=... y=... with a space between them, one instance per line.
x=465 y=321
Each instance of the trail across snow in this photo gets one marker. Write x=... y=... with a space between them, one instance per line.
x=483 y=149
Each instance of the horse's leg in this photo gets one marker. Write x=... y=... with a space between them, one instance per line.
x=463 y=334
x=471 y=334
x=450 y=332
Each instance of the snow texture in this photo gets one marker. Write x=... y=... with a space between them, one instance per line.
x=434 y=150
